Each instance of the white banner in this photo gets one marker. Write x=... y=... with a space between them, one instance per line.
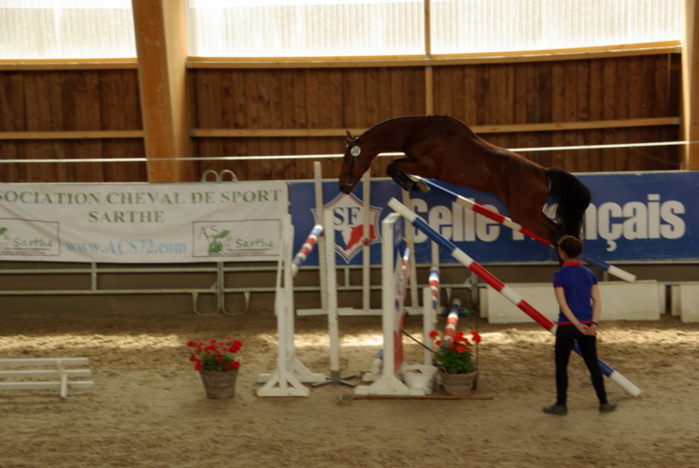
x=142 y=223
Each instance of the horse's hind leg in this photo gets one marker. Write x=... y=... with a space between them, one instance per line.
x=397 y=171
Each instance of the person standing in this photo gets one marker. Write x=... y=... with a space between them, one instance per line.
x=578 y=297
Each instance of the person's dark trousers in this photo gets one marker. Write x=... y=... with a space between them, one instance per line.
x=566 y=336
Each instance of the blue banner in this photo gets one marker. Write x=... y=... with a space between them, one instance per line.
x=633 y=217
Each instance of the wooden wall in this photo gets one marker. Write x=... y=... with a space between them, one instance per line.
x=242 y=112
x=491 y=97
x=297 y=99
x=70 y=114
x=607 y=91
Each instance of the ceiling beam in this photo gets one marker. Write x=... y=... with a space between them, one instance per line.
x=161 y=43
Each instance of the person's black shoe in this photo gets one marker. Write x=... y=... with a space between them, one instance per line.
x=557 y=409
x=607 y=407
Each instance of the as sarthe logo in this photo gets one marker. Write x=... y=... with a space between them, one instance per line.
x=349 y=225
x=218 y=239
x=26 y=238
x=250 y=238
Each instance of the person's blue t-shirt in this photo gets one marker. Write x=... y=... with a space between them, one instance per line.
x=576 y=281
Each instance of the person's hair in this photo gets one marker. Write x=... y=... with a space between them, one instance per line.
x=571 y=245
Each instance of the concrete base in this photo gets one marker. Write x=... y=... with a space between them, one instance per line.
x=642 y=300
x=685 y=301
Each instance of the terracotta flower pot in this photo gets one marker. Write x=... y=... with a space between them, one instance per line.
x=458 y=384
x=219 y=384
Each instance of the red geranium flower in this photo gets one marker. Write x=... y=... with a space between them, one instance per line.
x=217 y=356
x=455 y=356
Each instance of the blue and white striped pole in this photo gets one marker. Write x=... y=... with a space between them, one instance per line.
x=500 y=287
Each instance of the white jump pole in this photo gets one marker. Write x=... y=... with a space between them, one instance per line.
x=60 y=375
x=410 y=241
x=333 y=326
x=430 y=304
x=366 y=241
x=318 y=188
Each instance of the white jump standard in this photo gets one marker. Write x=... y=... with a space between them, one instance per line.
x=290 y=375
x=496 y=284
x=333 y=326
x=395 y=276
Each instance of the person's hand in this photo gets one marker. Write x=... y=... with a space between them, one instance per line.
x=585 y=329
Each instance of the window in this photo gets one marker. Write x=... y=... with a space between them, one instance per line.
x=45 y=29
x=325 y=28
x=470 y=26
x=315 y=28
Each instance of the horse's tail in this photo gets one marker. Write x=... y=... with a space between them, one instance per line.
x=573 y=198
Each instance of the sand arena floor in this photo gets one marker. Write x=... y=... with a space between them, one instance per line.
x=148 y=408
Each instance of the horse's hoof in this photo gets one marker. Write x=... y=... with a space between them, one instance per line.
x=405 y=186
x=420 y=186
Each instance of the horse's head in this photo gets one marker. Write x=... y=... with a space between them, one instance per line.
x=353 y=164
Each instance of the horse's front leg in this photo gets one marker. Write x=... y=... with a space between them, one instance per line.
x=397 y=171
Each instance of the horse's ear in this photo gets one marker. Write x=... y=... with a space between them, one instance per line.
x=349 y=139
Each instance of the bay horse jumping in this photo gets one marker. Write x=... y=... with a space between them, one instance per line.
x=444 y=148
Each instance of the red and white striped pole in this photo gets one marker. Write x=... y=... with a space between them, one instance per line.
x=452 y=321
x=306 y=249
x=505 y=221
x=500 y=287
x=433 y=283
